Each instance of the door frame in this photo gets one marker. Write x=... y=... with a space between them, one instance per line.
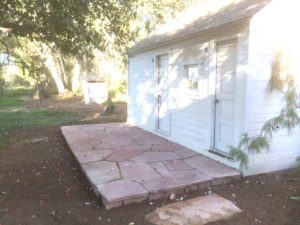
x=218 y=82
x=164 y=132
x=240 y=92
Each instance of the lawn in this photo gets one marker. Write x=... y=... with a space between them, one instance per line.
x=19 y=110
x=12 y=102
x=33 y=118
x=15 y=114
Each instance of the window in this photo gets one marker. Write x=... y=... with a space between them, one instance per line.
x=192 y=75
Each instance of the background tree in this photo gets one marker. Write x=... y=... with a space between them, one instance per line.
x=73 y=37
x=65 y=28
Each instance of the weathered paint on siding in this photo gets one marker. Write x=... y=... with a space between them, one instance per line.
x=265 y=27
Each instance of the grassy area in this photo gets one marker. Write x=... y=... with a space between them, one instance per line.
x=13 y=115
x=12 y=102
x=19 y=92
x=19 y=110
x=33 y=118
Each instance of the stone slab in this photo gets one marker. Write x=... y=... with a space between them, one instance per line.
x=137 y=171
x=177 y=165
x=81 y=146
x=112 y=205
x=114 y=142
x=119 y=156
x=190 y=177
x=91 y=156
x=93 y=127
x=186 y=153
x=98 y=135
x=122 y=190
x=162 y=169
x=122 y=154
x=74 y=134
x=144 y=137
x=198 y=211
x=156 y=156
x=211 y=167
x=165 y=147
x=162 y=184
x=101 y=172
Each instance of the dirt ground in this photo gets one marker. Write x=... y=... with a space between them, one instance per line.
x=92 y=113
x=41 y=184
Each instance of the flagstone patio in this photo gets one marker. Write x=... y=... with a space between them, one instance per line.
x=126 y=164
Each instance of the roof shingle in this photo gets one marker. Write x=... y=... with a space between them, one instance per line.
x=234 y=11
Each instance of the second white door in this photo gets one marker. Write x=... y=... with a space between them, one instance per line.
x=162 y=98
x=225 y=96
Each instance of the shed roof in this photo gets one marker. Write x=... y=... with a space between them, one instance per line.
x=200 y=19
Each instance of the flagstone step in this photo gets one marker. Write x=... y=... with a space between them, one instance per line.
x=126 y=164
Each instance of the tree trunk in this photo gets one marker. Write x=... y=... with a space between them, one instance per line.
x=76 y=76
x=55 y=74
x=50 y=63
x=63 y=72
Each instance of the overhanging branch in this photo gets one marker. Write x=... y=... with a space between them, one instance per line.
x=7 y=53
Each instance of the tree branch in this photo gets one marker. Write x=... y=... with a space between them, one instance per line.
x=7 y=52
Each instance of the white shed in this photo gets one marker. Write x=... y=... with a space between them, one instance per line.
x=202 y=80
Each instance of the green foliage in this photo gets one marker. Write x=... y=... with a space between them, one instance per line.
x=238 y=155
x=47 y=88
x=19 y=92
x=258 y=143
x=12 y=102
x=281 y=81
x=33 y=118
x=69 y=25
x=20 y=81
x=77 y=30
x=151 y=13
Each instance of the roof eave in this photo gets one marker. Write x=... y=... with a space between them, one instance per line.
x=133 y=51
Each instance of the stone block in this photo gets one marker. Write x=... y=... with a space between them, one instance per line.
x=211 y=167
x=137 y=171
x=101 y=172
x=122 y=190
x=200 y=211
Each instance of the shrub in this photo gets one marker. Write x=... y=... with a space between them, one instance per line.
x=19 y=81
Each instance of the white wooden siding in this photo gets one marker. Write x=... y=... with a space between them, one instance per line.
x=261 y=105
x=191 y=115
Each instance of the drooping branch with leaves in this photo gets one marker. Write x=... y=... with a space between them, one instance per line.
x=282 y=81
x=68 y=33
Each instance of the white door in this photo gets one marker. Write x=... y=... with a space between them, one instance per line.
x=225 y=95
x=162 y=98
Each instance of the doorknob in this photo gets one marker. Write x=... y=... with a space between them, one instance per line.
x=216 y=101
